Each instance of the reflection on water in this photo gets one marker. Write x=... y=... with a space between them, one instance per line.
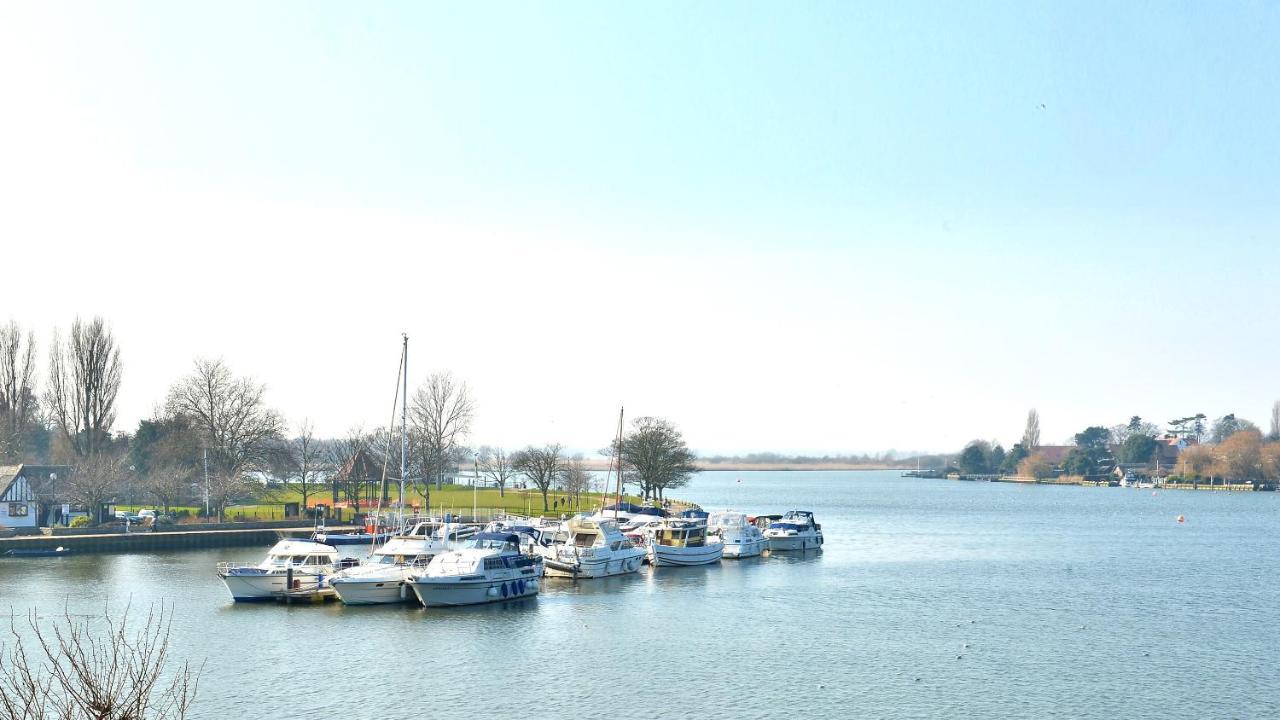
x=1085 y=602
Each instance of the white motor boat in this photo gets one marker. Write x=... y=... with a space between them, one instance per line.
x=383 y=578
x=491 y=568
x=741 y=538
x=796 y=530
x=589 y=547
x=683 y=541
x=292 y=568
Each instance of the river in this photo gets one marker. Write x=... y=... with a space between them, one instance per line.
x=932 y=599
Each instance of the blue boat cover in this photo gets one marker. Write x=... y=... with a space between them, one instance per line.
x=694 y=513
x=784 y=526
x=501 y=536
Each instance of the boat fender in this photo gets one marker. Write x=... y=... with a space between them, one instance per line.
x=505 y=592
x=521 y=586
x=492 y=592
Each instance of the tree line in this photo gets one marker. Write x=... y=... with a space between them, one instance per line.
x=1229 y=448
x=216 y=439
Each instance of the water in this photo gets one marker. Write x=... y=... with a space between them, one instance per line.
x=932 y=599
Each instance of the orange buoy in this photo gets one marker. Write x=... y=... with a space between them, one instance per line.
x=1182 y=519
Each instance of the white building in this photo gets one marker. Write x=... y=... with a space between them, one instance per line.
x=22 y=490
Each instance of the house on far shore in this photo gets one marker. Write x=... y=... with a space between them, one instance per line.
x=1055 y=454
x=1168 y=449
x=29 y=493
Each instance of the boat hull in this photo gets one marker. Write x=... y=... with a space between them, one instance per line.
x=591 y=568
x=372 y=592
x=795 y=542
x=735 y=549
x=666 y=556
x=270 y=586
x=447 y=592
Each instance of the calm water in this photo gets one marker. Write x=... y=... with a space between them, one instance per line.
x=931 y=599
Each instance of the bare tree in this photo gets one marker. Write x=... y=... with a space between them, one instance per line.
x=307 y=458
x=541 y=465
x=234 y=421
x=352 y=457
x=165 y=454
x=96 y=481
x=84 y=379
x=1031 y=435
x=441 y=412
x=73 y=671
x=575 y=479
x=496 y=465
x=1275 y=422
x=17 y=390
x=169 y=482
x=657 y=455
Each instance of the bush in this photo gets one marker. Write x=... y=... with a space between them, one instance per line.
x=80 y=521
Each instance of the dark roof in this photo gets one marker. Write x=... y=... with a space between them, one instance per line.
x=39 y=477
x=361 y=466
x=1054 y=453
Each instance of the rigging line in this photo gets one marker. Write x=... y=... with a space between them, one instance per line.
x=386 y=456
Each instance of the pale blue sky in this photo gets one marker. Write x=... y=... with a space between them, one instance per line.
x=879 y=226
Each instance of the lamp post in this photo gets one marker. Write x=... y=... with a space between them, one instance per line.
x=61 y=516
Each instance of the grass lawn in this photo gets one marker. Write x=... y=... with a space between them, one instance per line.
x=455 y=499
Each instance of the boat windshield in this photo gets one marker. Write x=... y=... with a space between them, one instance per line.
x=484 y=543
x=784 y=526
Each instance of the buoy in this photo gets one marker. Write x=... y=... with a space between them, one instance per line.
x=1182 y=519
x=1154 y=493
x=959 y=656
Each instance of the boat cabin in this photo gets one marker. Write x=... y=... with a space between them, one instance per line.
x=681 y=534
x=295 y=553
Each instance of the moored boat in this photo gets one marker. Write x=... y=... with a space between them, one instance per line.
x=589 y=547
x=676 y=542
x=292 y=568
x=491 y=568
x=795 y=530
x=741 y=537
x=383 y=579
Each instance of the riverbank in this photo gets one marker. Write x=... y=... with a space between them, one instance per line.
x=1083 y=482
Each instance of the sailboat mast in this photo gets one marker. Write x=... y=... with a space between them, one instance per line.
x=617 y=500
x=404 y=416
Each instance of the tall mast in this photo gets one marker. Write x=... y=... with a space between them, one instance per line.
x=617 y=500
x=404 y=416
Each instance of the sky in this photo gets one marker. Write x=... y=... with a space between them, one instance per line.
x=798 y=227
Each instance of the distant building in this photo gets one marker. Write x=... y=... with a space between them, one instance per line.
x=30 y=493
x=1055 y=454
